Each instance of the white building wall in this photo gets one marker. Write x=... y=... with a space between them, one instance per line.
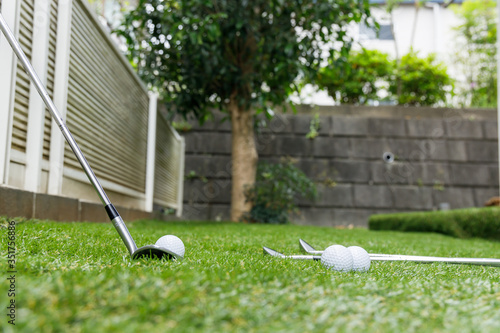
x=433 y=33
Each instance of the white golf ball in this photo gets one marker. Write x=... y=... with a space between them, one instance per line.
x=171 y=243
x=360 y=259
x=338 y=258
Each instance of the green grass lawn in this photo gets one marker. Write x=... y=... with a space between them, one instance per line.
x=76 y=277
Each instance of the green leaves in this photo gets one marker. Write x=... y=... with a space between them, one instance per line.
x=423 y=81
x=275 y=191
x=476 y=52
x=462 y=223
x=358 y=77
x=353 y=78
x=200 y=53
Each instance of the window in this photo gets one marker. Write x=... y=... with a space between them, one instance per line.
x=385 y=32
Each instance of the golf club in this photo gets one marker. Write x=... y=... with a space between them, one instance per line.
x=337 y=257
x=395 y=257
x=311 y=250
x=275 y=253
x=145 y=251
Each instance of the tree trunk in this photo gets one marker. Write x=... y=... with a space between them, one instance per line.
x=244 y=158
x=396 y=49
x=415 y=20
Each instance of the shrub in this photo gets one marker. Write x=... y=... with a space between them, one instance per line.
x=276 y=188
x=354 y=79
x=182 y=126
x=462 y=223
x=361 y=76
x=476 y=51
x=420 y=81
x=314 y=127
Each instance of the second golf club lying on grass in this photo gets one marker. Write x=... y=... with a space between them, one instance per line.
x=170 y=247
x=335 y=257
x=424 y=259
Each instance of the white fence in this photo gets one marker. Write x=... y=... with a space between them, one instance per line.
x=107 y=108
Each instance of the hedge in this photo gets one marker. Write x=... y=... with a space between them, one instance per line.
x=462 y=223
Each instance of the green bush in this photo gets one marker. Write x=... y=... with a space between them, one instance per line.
x=276 y=188
x=362 y=76
x=462 y=223
x=420 y=81
x=353 y=80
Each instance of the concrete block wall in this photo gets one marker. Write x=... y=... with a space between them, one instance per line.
x=441 y=156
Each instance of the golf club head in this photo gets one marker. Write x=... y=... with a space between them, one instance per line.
x=273 y=252
x=305 y=246
x=308 y=248
x=154 y=251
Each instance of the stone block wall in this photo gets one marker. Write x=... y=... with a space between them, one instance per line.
x=441 y=156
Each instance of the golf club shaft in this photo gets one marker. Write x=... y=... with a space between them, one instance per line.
x=302 y=257
x=397 y=257
x=423 y=259
x=110 y=209
x=470 y=261
x=378 y=255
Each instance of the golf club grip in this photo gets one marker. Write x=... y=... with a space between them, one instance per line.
x=113 y=215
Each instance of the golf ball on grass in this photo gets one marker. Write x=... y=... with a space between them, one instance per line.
x=360 y=259
x=338 y=258
x=171 y=243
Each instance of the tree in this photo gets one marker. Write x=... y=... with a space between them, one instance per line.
x=240 y=57
x=476 y=51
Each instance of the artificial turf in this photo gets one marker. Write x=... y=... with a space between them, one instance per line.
x=78 y=277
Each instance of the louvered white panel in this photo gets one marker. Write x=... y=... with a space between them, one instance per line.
x=107 y=107
x=21 y=99
x=167 y=164
x=50 y=75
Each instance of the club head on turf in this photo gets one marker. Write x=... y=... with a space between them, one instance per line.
x=306 y=247
x=154 y=251
x=272 y=252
